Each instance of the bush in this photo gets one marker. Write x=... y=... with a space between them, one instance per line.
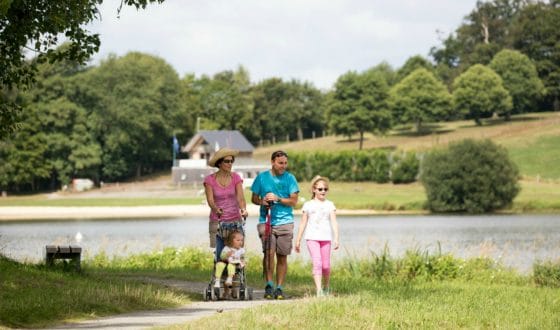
x=404 y=168
x=470 y=176
x=547 y=274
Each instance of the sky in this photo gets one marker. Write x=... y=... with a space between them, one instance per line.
x=308 y=40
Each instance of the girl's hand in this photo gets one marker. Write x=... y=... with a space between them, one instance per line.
x=336 y=245
x=297 y=247
x=244 y=213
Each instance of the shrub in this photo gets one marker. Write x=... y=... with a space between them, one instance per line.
x=547 y=274
x=470 y=176
x=404 y=168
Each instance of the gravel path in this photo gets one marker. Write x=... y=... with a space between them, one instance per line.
x=149 y=319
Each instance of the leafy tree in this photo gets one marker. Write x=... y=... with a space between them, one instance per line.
x=485 y=30
x=520 y=79
x=135 y=103
x=67 y=146
x=536 y=33
x=37 y=26
x=479 y=93
x=359 y=104
x=418 y=98
x=225 y=99
x=387 y=71
x=412 y=64
x=268 y=115
x=469 y=176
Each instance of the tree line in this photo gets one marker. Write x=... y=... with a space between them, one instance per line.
x=116 y=120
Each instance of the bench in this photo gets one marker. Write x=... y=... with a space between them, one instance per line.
x=73 y=253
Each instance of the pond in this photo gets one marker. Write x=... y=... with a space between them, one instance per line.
x=516 y=240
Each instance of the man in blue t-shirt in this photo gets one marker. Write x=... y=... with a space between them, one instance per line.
x=278 y=190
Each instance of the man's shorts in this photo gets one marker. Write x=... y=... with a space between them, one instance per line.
x=281 y=238
x=212 y=231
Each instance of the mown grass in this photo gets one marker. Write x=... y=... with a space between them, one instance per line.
x=36 y=296
x=418 y=290
x=449 y=305
x=535 y=196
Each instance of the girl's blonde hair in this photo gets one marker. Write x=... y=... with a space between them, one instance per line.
x=316 y=180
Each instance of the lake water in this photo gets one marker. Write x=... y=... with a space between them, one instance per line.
x=515 y=240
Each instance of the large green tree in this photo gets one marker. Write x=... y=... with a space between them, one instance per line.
x=536 y=33
x=37 y=26
x=420 y=97
x=479 y=93
x=413 y=63
x=520 y=79
x=55 y=140
x=135 y=103
x=359 y=105
x=485 y=31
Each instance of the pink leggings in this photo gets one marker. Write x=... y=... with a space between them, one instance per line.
x=320 y=252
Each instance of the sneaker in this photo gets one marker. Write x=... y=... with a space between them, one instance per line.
x=229 y=281
x=326 y=292
x=268 y=292
x=217 y=283
x=320 y=293
x=278 y=294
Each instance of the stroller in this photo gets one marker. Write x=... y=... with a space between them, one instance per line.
x=239 y=289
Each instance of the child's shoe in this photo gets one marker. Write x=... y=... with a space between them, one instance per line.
x=217 y=283
x=320 y=293
x=229 y=281
x=326 y=292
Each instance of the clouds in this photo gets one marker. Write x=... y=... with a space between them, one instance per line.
x=308 y=40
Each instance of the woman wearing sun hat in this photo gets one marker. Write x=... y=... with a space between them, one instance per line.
x=224 y=195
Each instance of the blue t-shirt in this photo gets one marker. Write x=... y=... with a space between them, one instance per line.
x=282 y=186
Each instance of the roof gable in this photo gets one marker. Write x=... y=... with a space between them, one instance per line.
x=220 y=139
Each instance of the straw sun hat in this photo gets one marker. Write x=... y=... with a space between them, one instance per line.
x=224 y=152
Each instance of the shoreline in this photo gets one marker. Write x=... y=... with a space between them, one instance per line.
x=20 y=213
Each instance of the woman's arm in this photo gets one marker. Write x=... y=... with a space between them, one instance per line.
x=241 y=199
x=210 y=199
x=301 y=229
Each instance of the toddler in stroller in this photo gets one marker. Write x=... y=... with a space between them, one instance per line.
x=228 y=278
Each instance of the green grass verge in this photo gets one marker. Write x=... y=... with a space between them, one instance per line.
x=535 y=196
x=35 y=296
x=415 y=291
x=539 y=158
x=420 y=306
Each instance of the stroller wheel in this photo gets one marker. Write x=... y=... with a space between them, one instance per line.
x=215 y=294
x=206 y=295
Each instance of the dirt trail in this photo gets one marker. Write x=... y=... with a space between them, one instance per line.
x=186 y=313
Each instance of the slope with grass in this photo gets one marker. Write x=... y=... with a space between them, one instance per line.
x=532 y=140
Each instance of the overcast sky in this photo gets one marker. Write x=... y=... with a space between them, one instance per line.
x=308 y=40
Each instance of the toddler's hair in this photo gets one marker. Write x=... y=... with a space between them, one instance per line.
x=231 y=236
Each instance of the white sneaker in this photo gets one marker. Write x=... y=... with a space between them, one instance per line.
x=229 y=281
x=217 y=283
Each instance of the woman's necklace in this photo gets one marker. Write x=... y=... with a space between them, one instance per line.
x=223 y=178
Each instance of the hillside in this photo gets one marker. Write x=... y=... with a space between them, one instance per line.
x=520 y=135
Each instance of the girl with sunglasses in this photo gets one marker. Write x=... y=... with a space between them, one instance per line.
x=318 y=221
